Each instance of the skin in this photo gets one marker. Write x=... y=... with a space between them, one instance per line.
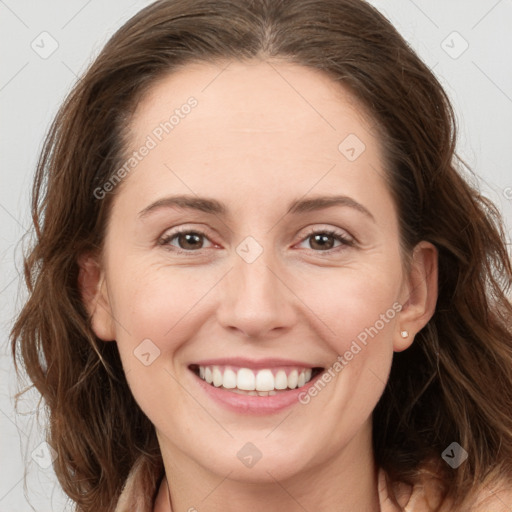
x=262 y=135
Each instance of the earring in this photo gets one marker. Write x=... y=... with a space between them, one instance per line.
x=404 y=334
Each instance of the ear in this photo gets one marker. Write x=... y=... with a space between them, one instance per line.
x=94 y=293
x=419 y=294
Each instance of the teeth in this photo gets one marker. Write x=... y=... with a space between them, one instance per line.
x=264 y=380
x=245 y=380
x=281 y=380
x=217 y=377
x=230 y=379
x=293 y=379
x=255 y=382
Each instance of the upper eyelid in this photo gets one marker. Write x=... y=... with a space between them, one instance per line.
x=341 y=233
x=331 y=230
x=174 y=232
x=338 y=232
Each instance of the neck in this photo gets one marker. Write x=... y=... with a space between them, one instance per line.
x=341 y=482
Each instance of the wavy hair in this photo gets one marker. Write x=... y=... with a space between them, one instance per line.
x=453 y=384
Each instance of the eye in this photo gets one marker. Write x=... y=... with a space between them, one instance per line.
x=324 y=240
x=186 y=240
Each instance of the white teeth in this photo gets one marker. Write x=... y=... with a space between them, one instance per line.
x=245 y=380
x=217 y=377
x=254 y=382
x=229 y=379
x=264 y=380
x=293 y=379
x=281 y=380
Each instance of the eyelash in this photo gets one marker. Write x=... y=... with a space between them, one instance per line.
x=344 y=240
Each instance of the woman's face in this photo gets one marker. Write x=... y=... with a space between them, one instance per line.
x=288 y=261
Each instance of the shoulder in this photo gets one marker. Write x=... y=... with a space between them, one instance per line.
x=427 y=496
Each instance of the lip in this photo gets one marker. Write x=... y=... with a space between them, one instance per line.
x=255 y=364
x=248 y=404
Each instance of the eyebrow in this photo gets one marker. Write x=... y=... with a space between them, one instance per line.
x=215 y=207
x=202 y=204
x=321 y=202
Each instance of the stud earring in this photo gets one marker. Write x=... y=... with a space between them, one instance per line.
x=404 y=334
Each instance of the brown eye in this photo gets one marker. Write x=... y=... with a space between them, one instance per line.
x=321 y=241
x=326 y=240
x=190 y=240
x=184 y=240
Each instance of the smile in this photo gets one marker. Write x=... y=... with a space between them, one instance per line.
x=255 y=382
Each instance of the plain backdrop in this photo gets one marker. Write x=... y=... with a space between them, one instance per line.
x=44 y=48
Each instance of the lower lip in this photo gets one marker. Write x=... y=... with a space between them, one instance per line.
x=249 y=404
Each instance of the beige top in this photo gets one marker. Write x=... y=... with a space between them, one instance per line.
x=424 y=497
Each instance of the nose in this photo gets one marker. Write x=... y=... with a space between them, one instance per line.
x=256 y=300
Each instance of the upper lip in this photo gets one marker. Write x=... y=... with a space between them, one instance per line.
x=244 y=362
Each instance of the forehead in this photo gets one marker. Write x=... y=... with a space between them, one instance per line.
x=254 y=97
x=260 y=121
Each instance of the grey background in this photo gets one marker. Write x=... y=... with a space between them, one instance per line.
x=33 y=84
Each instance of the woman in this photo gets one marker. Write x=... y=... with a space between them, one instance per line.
x=259 y=281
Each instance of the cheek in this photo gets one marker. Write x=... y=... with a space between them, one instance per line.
x=159 y=304
x=155 y=315
x=357 y=308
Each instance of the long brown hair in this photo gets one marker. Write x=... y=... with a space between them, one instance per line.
x=453 y=384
